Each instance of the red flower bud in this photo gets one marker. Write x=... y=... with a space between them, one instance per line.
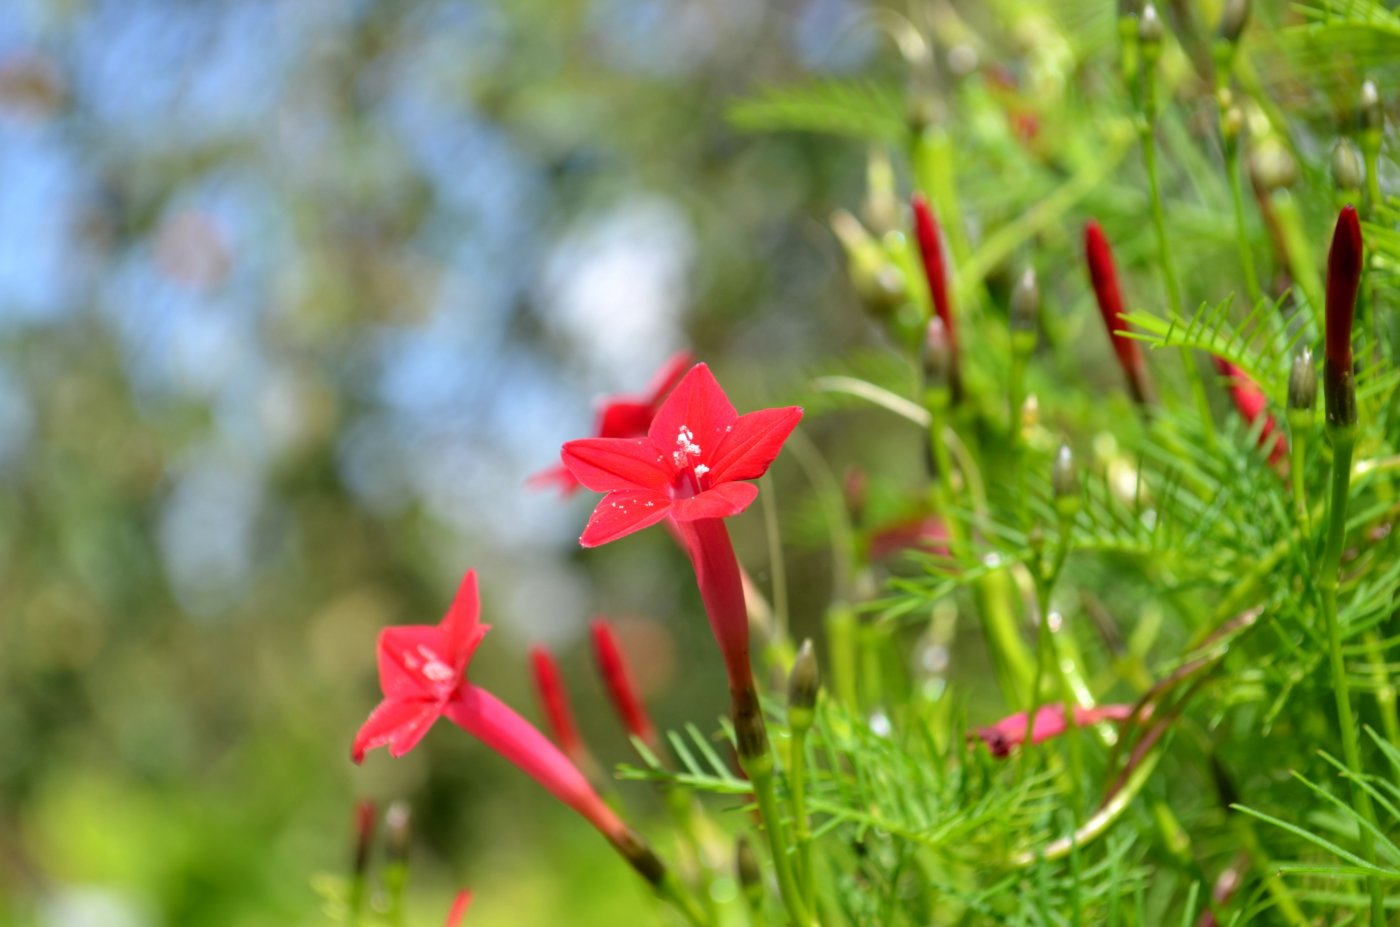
x=1343 y=278
x=459 y=909
x=1104 y=277
x=930 y=238
x=1252 y=405
x=622 y=691
x=549 y=687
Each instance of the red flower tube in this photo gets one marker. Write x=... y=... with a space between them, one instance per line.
x=692 y=469
x=1343 y=278
x=1252 y=406
x=622 y=691
x=422 y=672
x=1104 y=277
x=622 y=416
x=1011 y=732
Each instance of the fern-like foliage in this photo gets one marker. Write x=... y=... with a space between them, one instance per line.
x=1260 y=344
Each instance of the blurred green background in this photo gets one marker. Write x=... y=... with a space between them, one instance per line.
x=294 y=295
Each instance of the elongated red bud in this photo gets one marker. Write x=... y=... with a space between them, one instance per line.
x=930 y=238
x=364 y=835
x=1103 y=275
x=1343 y=279
x=459 y=909
x=554 y=700
x=617 y=680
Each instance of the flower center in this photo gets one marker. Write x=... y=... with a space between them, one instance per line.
x=435 y=671
x=686 y=449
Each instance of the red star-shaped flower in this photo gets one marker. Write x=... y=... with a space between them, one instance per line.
x=622 y=416
x=422 y=668
x=692 y=464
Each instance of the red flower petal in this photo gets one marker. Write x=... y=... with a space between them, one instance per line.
x=697 y=404
x=557 y=475
x=621 y=513
x=397 y=723
x=722 y=501
x=747 y=449
x=461 y=626
x=624 y=419
x=610 y=464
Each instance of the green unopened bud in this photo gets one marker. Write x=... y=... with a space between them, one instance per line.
x=747 y=870
x=937 y=362
x=1233 y=20
x=882 y=206
x=1064 y=482
x=803 y=684
x=1025 y=310
x=1348 y=172
x=1302 y=383
x=1371 y=114
x=1150 y=32
x=1271 y=167
x=878 y=282
x=1231 y=122
x=398 y=830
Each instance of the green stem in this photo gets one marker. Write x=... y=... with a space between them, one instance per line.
x=1164 y=257
x=1343 y=443
x=1251 y=276
x=1300 y=428
x=759 y=769
x=670 y=889
x=797 y=782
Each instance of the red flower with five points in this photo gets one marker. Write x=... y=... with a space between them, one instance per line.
x=622 y=416
x=692 y=465
x=422 y=668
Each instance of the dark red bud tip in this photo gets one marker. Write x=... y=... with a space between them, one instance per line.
x=1344 y=262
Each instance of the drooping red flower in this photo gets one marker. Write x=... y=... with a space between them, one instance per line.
x=1011 y=732
x=554 y=699
x=1344 y=265
x=693 y=464
x=422 y=672
x=459 y=909
x=622 y=691
x=1252 y=406
x=622 y=416
x=1104 y=277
